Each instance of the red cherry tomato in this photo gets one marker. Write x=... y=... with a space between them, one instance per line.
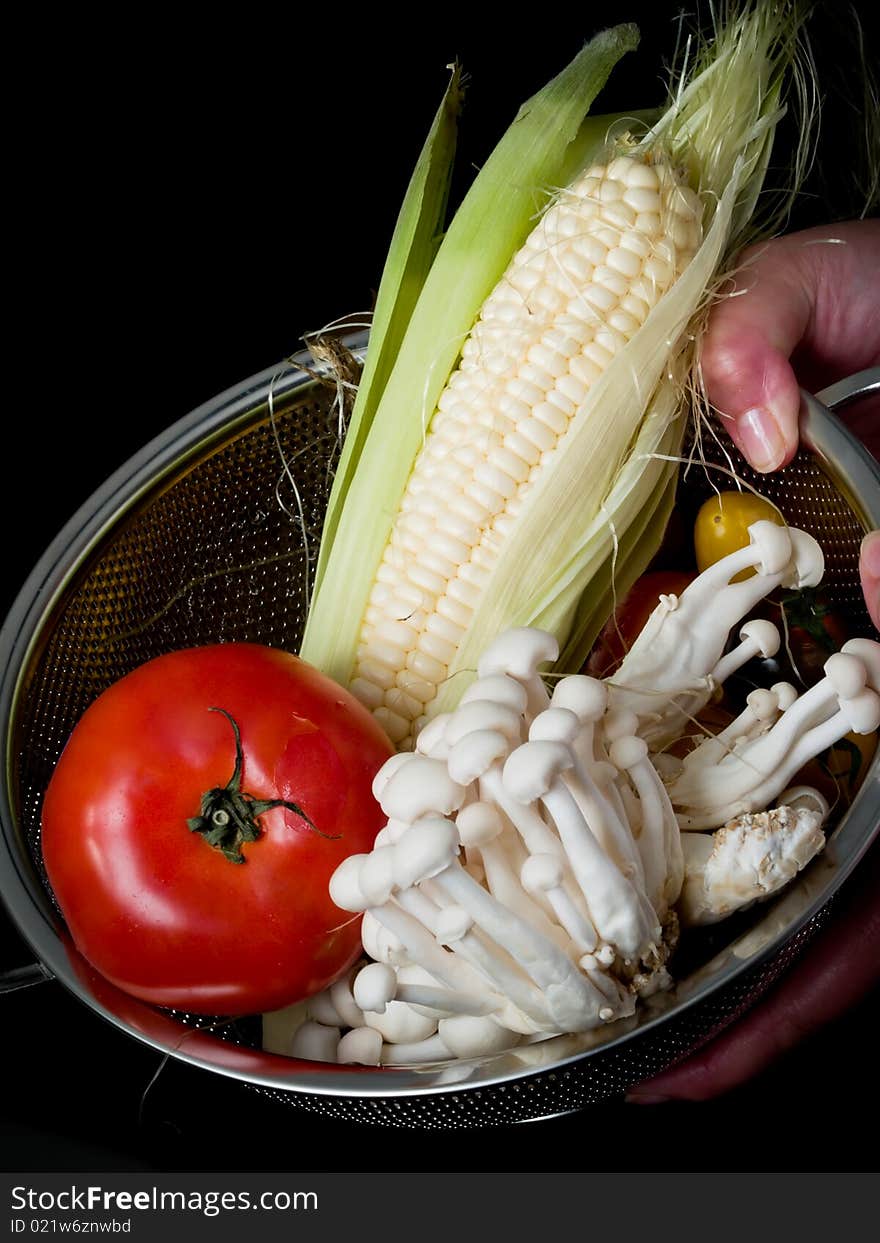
x=193 y=872
x=625 y=624
x=815 y=632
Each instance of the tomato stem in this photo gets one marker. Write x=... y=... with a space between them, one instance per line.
x=228 y=816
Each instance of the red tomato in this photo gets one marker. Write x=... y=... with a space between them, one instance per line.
x=625 y=624
x=223 y=913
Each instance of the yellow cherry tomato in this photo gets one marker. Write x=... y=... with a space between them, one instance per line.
x=722 y=526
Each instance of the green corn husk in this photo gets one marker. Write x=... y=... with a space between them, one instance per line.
x=414 y=245
x=593 y=520
x=539 y=150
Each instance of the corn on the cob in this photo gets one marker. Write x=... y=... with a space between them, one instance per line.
x=497 y=496
x=579 y=289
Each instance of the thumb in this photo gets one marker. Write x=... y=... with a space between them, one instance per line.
x=869 y=569
x=808 y=292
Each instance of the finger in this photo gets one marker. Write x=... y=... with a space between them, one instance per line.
x=836 y=971
x=810 y=293
x=869 y=570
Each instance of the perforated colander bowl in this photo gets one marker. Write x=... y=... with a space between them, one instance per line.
x=202 y=537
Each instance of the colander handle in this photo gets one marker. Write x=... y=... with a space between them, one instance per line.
x=24 y=977
x=862 y=384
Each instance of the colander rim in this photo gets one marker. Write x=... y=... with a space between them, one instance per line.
x=28 y=905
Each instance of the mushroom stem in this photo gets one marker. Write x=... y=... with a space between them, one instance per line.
x=416 y=1053
x=543 y=874
x=445 y=1001
x=659 y=839
x=571 y=998
x=518 y=653
x=438 y=918
x=421 y=947
x=749 y=859
x=611 y=898
x=759 y=638
x=616 y=911
x=665 y=676
x=748 y=778
x=560 y=724
x=483 y=828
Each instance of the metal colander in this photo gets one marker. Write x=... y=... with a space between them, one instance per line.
x=208 y=535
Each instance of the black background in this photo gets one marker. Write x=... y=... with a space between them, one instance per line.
x=187 y=200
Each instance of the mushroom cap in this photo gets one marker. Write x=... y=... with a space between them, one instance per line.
x=421 y=787
x=762 y=704
x=772 y=543
x=453 y=923
x=361 y=1044
x=400 y=1023
x=344 y=1003
x=374 y=986
x=424 y=850
x=379 y=942
x=386 y=772
x=555 y=725
x=762 y=633
x=467 y=1036
x=862 y=712
x=807 y=561
x=315 y=1041
x=499 y=688
x=478 y=824
x=628 y=751
x=322 y=1010
x=474 y=755
x=868 y=652
x=431 y=741
x=345 y=886
x=531 y=769
x=586 y=697
x=376 y=876
x=805 y=797
x=518 y=652
x=785 y=694
x=483 y=714
x=618 y=723
x=846 y=673
x=541 y=872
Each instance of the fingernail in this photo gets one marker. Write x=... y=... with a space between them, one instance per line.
x=870 y=555
x=760 y=438
x=635 y=1097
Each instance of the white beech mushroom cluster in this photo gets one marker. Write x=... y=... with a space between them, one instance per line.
x=540 y=848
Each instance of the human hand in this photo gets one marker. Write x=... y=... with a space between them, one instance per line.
x=809 y=314
x=806 y=313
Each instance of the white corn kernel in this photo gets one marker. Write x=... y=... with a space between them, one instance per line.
x=465 y=593
x=368 y=693
x=415 y=686
x=522 y=448
x=380 y=675
x=426 y=667
x=537 y=433
x=449 y=607
x=438 y=649
x=578 y=291
x=442 y=628
x=641 y=199
x=404 y=705
x=624 y=261
x=423 y=577
x=396 y=727
x=399 y=633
